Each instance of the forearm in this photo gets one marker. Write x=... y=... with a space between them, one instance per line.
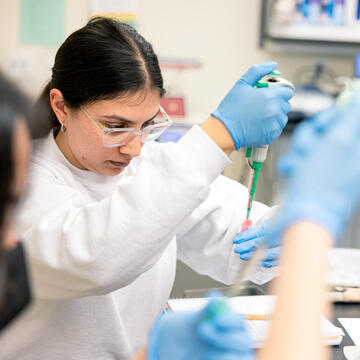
x=141 y=355
x=219 y=134
x=296 y=325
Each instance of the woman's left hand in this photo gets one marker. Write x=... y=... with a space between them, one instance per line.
x=248 y=240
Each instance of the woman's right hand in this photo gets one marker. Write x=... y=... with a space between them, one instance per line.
x=254 y=116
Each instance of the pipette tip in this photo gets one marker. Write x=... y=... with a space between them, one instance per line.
x=246 y=225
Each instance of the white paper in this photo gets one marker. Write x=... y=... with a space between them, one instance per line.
x=345 y=267
x=259 y=330
x=352 y=327
x=262 y=274
x=255 y=305
x=352 y=352
x=259 y=304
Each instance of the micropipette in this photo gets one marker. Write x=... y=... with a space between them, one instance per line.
x=257 y=155
x=255 y=158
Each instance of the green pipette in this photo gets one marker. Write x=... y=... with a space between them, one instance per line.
x=258 y=154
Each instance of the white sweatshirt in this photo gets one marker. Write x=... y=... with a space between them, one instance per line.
x=102 y=250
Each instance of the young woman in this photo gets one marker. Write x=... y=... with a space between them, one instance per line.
x=15 y=289
x=188 y=335
x=332 y=135
x=109 y=210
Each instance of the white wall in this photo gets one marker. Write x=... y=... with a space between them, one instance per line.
x=223 y=35
x=40 y=58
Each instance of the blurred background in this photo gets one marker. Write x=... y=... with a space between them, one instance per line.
x=204 y=46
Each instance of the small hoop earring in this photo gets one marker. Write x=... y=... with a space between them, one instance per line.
x=63 y=128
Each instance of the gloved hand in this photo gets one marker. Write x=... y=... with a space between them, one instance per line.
x=250 y=239
x=303 y=139
x=254 y=116
x=197 y=336
x=323 y=171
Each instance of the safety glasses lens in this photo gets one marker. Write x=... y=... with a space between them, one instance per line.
x=117 y=138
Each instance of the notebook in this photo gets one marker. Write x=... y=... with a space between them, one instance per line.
x=256 y=305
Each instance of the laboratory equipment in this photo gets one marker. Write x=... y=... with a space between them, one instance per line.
x=316 y=26
x=257 y=155
x=248 y=127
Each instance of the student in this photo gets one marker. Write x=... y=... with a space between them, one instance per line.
x=331 y=135
x=15 y=148
x=102 y=224
x=15 y=288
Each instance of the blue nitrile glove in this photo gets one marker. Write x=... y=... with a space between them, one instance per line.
x=254 y=116
x=196 y=336
x=323 y=171
x=250 y=239
x=303 y=139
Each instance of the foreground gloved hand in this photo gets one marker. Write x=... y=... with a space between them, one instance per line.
x=254 y=116
x=323 y=171
x=250 y=239
x=197 y=336
x=303 y=139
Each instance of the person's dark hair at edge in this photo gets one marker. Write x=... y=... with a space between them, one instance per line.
x=101 y=61
x=13 y=105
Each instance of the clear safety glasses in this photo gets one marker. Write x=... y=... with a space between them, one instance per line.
x=113 y=137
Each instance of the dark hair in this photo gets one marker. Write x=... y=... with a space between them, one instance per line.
x=101 y=61
x=13 y=105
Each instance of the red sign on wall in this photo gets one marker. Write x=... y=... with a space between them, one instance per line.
x=174 y=106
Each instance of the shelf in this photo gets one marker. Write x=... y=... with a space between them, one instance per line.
x=179 y=64
x=345 y=34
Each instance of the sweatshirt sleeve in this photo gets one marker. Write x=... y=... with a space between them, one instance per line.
x=205 y=237
x=77 y=247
